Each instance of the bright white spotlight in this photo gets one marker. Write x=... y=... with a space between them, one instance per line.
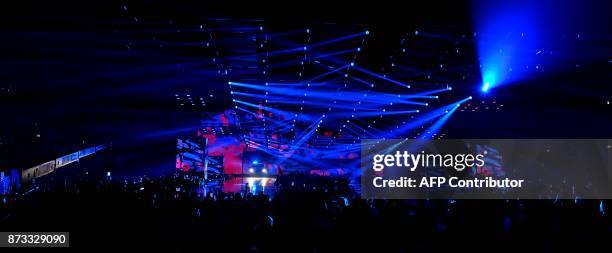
x=265 y=171
x=485 y=87
x=251 y=170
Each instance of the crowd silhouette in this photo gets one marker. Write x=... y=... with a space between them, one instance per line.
x=306 y=213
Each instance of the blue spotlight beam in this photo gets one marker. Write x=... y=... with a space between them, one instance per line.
x=302 y=48
x=511 y=36
x=380 y=76
x=429 y=116
x=265 y=108
x=379 y=98
x=435 y=127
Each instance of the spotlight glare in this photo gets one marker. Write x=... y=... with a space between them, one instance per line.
x=485 y=87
